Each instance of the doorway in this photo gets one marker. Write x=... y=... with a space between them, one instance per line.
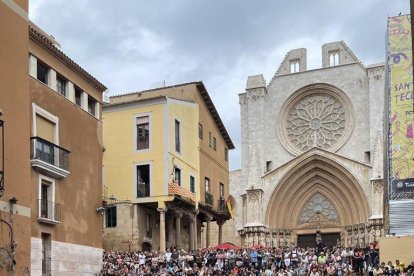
x=309 y=240
x=146 y=246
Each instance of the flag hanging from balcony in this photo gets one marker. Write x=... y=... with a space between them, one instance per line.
x=228 y=203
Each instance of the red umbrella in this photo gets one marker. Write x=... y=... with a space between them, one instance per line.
x=226 y=246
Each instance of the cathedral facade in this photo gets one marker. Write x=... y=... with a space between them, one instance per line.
x=312 y=153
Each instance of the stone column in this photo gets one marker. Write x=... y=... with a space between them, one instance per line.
x=220 y=231
x=195 y=231
x=208 y=232
x=170 y=223
x=162 y=228
x=191 y=230
x=178 y=230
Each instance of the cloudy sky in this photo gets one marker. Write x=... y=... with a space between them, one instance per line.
x=132 y=45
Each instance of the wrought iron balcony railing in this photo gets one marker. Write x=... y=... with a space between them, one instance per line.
x=49 y=157
x=49 y=212
x=209 y=199
x=222 y=205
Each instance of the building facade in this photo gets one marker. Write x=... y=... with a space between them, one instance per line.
x=165 y=168
x=312 y=152
x=51 y=154
x=66 y=157
x=15 y=200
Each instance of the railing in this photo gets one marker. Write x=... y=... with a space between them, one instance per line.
x=49 y=210
x=50 y=153
x=143 y=190
x=209 y=199
x=222 y=205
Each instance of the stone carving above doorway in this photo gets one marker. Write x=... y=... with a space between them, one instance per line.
x=318 y=211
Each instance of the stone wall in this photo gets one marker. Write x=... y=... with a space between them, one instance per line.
x=229 y=233
x=66 y=259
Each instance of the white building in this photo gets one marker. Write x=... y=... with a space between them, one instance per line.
x=312 y=152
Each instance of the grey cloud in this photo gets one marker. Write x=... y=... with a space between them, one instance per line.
x=133 y=45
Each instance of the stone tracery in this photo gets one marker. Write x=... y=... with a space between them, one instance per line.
x=317 y=120
x=318 y=210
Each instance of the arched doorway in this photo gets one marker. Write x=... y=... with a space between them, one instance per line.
x=146 y=246
x=317 y=193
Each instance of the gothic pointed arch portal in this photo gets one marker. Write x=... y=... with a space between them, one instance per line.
x=317 y=193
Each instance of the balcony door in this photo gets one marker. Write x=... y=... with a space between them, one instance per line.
x=143 y=180
x=44 y=201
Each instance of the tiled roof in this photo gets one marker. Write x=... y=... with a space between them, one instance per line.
x=46 y=43
x=204 y=95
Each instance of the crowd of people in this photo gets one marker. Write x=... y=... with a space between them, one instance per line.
x=288 y=261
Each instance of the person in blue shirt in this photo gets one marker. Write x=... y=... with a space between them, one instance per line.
x=253 y=256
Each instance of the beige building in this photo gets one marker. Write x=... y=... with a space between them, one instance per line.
x=51 y=154
x=165 y=169
x=66 y=157
x=312 y=153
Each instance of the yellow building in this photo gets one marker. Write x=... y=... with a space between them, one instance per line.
x=162 y=173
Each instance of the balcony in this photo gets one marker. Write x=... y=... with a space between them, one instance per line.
x=49 y=212
x=175 y=189
x=49 y=158
x=209 y=199
x=222 y=206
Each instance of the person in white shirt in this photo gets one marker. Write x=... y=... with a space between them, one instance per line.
x=168 y=256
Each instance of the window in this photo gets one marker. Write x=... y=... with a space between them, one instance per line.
x=44 y=200
x=177 y=176
x=42 y=72
x=333 y=58
x=207 y=184
x=177 y=136
x=143 y=180
x=200 y=131
x=148 y=226
x=367 y=156
x=110 y=216
x=142 y=132
x=226 y=154
x=209 y=140
x=61 y=85
x=294 y=66
x=221 y=190
x=214 y=143
x=91 y=105
x=268 y=166
x=192 y=184
x=49 y=211
x=78 y=96
x=45 y=128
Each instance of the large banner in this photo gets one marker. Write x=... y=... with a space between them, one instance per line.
x=401 y=144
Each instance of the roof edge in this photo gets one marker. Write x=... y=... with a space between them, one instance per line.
x=47 y=44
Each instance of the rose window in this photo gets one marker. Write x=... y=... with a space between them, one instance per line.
x=317 y=120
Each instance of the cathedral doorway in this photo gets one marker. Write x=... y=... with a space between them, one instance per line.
x=309 y=240
x=317 y=192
